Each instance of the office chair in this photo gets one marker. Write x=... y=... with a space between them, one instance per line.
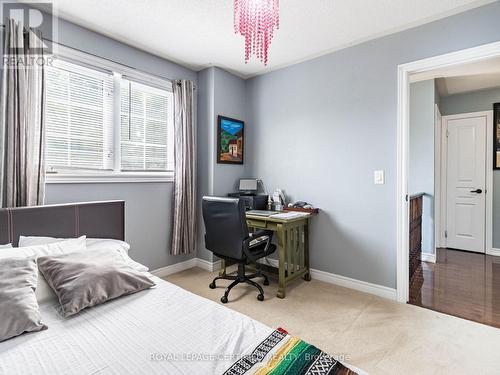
x=227 y=236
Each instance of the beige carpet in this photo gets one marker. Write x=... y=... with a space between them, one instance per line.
x=374 y=334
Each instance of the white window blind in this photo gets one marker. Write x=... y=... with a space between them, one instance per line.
x=79 y=117
x=145 y=113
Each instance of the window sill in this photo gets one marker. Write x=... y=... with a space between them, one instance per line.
x=109 y=177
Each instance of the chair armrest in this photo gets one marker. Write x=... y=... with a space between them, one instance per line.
x=261 y=233
x=253 y=236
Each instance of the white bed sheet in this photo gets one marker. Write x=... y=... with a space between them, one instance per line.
x=164 y=330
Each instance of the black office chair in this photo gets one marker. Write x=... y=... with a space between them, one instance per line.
x=227 y=236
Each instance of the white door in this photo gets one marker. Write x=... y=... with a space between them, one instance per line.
x=466 y=183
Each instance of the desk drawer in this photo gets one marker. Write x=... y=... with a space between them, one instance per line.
x=256 y=223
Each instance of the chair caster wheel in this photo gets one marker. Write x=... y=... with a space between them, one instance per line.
x=260 y=297
x=223 y=299
x=266 y=282
x=212 y=285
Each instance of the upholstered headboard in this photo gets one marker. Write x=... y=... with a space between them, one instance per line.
x=95 y=219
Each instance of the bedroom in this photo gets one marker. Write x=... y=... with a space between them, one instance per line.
x=323 y=71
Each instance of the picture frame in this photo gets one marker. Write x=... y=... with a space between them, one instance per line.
x=230 y=140
x=496 y=136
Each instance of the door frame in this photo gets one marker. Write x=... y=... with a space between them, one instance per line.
x=402 y=135
x=441 y=181
x=439 y=186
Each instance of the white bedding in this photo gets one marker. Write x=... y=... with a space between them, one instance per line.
x=151 y=332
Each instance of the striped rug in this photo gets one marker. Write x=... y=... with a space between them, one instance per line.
x=281 y=354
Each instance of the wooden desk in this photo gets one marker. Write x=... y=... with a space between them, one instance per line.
x=293 y=247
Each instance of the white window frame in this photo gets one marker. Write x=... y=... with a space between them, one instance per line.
x=116 y=175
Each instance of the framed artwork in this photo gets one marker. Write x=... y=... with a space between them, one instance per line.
x=496 y=136
x=230 y=140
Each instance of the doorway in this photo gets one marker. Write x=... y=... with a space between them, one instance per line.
x=460 y=198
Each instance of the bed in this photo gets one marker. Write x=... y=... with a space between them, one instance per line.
x=162 y=330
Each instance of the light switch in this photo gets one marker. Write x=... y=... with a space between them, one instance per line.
x=378 y=177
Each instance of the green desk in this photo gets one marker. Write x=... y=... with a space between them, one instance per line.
x=293 y=247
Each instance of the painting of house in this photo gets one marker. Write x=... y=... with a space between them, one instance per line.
x=230 y=140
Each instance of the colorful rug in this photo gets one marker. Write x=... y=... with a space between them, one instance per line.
x=281 y=354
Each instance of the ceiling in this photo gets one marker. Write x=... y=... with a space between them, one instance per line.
x=199 y=33
x=480 y=75
x=459 y=85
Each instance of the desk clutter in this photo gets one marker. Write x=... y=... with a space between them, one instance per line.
x=268 y=205
x=287 y=223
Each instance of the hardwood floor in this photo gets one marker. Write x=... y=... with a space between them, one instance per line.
x=460 y=283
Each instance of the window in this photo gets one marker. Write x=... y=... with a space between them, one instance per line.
x=144 y=127
x=79 y=118
x=105 y=121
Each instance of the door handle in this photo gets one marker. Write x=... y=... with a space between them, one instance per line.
x=477 y=191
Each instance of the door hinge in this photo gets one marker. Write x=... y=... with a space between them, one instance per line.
x=447 y=133
x=445 y=234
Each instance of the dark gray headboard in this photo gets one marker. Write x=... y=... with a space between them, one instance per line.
x=95 y=219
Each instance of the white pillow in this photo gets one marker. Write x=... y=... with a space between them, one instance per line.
x=99 y=243
x=91 y=244
x=120 y=246
x=6 y=246
x=68 y=243
x=43 y=291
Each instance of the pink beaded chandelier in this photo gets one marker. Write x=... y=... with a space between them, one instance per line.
x=256 y=21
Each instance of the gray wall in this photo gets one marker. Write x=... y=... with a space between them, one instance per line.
x=205 y=151
x=323 y=127
x=220 y=93
x=475 y=102
x=148 y=215
x=148 y=205
x=421 y=171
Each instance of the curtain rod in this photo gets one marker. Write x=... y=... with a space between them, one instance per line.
x=104 y=58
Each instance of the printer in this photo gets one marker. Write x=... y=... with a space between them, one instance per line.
x=248 y=195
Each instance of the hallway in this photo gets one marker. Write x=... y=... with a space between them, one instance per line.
x=460 y=283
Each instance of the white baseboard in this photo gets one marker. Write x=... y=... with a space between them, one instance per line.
x=346 y=282
x=207 y=265
x=174 y=268
x=426 y=257
x=494 y=252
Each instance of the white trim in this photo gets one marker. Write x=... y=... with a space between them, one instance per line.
x=443 y=180
x=117 y=114
x=80 y=57
x=343 y=281
x=493 y=251
x=425 y=257
x=207 y=265
x=402 y=214
x=174 y=268
x=438 y=131
x=489 y=182
x=361 y=286
x=108 y=177
x=404 y=71
x=346 y=282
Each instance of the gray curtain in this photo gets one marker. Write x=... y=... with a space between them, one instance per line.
x=184 y=231
x=22 y=132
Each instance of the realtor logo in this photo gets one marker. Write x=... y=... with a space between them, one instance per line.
x=29 y=16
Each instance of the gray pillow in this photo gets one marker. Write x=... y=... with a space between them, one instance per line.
x=89 y=278
x=19 y=310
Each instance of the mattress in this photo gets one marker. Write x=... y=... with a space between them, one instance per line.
x=164 y=330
